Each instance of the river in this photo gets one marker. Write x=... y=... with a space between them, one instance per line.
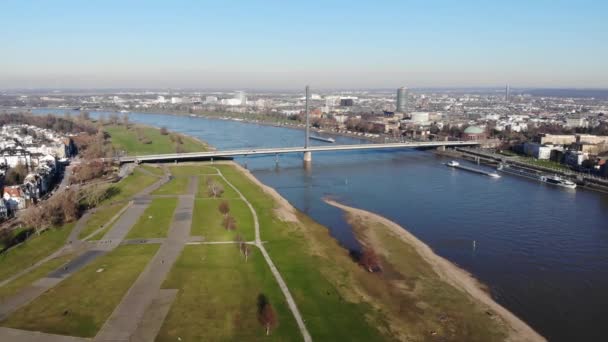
x=542 y=250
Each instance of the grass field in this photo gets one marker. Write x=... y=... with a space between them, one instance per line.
x=544 y=163
x=191 y=170
x=207 y=220
x=21 y=282
x=81 y=304
x=176 y=186
x=217 y=299
x=315 y=268
x=126 y=139
x=203 y=191
x=153 y=169
x=33 y=250
x=130 y=185
x=100 y=217
x=156 y=219
x=315 y=277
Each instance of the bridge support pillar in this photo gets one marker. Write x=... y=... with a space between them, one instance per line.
x=308 y=156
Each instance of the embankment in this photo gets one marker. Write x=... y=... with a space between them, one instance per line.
x=447 y=271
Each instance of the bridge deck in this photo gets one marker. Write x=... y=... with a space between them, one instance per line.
x=283 y=150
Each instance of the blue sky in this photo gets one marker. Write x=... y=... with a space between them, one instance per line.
x=281 y=44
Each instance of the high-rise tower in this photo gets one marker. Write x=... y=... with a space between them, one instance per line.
x=507 y=93
x=401 y=100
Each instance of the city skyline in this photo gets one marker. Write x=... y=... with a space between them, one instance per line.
x=272 y=45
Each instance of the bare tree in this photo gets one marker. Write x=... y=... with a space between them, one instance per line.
x=68 y=201
x=229 y=223
x=224 y=208
x=87 y=171
x=34 y=218
x=239 y=239
x=113 y=118
x=16 y=175
x=369 y=260
x=266 y=315
x=84 y=116
x=246 y=250
x=214 y=188
x=95 y=194
x=125 y=120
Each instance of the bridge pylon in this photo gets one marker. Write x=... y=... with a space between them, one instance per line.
x=308 y=156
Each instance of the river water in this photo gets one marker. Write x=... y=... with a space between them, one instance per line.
x=542 y=250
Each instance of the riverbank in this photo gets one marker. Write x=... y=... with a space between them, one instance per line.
x=594 y=183
x=220 y=117
x=367 y=230
x=401 y=303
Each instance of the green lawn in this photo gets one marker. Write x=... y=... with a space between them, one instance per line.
x=306 y=254
x=156 y=219
x=191 y=170
x=544 y=163
x=99 y=218
x=217 y=298
x=176 y=186
x=124 y=139
x=207 y=220
x=33 y=250
x=21 y=282
x=203 y=191
x=81 y=304
x=153 y=169
x=130 y=186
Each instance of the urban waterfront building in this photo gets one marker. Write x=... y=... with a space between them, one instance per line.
x=401 y=100
x=474 y=133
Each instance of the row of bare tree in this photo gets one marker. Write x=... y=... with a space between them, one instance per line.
x=62 y=208
x=55 y=123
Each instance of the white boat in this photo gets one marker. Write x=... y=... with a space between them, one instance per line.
x=553 y=180
x=329 y=140
x=452 y=163
x=556 y=180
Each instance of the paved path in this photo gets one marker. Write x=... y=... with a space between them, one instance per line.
x=70 y=246
x=110 y=241
x=16 y=335
x=132 y=310
x=110 y=222
x=275 y=272
x=154 y=316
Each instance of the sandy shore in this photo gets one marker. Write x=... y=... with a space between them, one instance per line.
x=452 y=274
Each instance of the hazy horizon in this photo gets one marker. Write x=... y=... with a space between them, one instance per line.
x=277 y=45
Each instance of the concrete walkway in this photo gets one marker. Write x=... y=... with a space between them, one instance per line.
x=70 y=246
x=275 y=272
x=16 y=335
x=111 y=240
x=90 y=252
x=154 y=316
x=132 y=310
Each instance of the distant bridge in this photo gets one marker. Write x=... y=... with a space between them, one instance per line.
x=307 y=151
